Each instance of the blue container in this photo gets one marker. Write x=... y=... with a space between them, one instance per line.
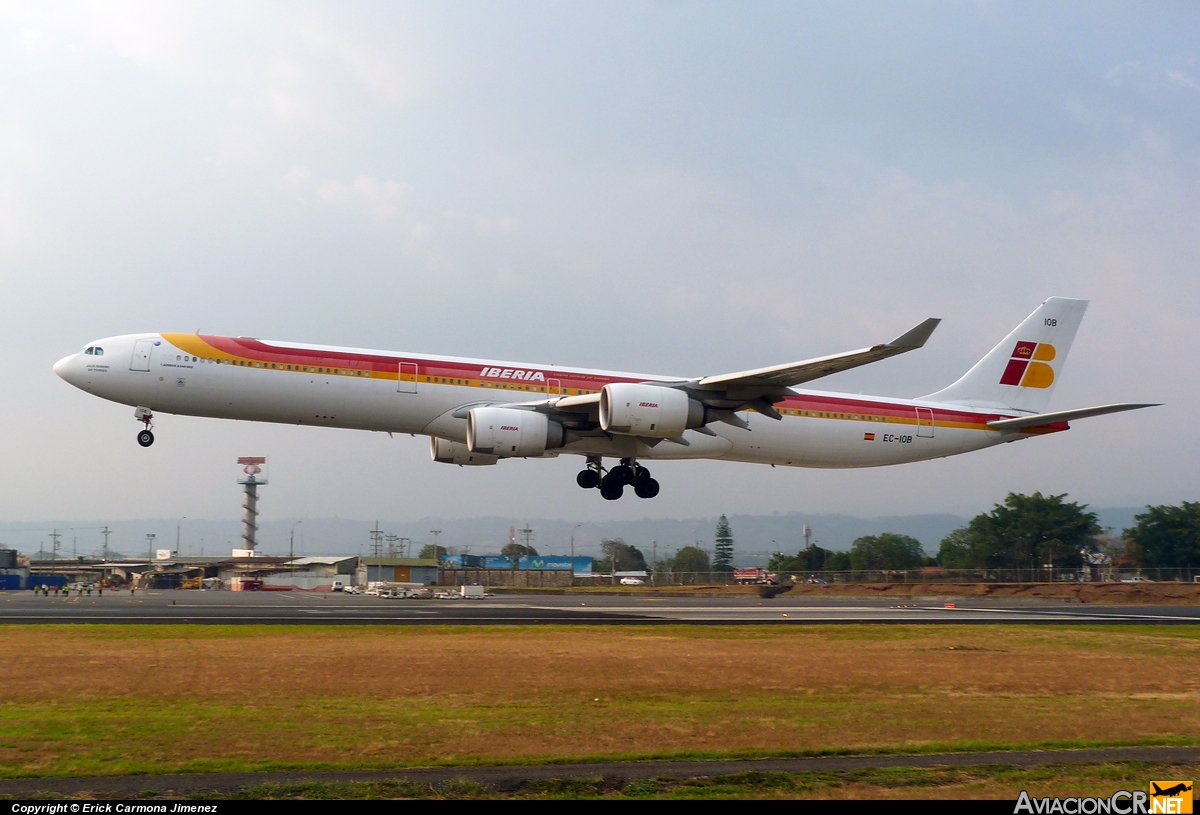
x=10 y=582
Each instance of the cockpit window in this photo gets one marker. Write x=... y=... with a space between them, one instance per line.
x=99 y=351
x=89 y=351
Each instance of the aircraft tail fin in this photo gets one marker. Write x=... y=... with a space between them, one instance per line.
x=1020 y=372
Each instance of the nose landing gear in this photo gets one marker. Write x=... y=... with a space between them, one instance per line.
x=612 y=485
x=145 y=437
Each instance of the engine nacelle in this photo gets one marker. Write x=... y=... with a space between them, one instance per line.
x=453 y=452
x=648 y=410
x=509 y=433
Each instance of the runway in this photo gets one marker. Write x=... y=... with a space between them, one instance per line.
x=304 y=608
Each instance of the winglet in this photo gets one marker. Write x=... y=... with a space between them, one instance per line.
x=916 y=337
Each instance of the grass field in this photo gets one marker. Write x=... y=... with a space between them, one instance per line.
x=99 y=700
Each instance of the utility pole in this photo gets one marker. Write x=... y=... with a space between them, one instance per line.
x=54 y=536
x=391 y=542
x=435 y=533
x=376 y=542
x=105 y=532
x=653 y=561
x=405 y=543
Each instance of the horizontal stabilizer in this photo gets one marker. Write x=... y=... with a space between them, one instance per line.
x=1043 y=419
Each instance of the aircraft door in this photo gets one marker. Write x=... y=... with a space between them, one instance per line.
x=141 y=355
x=553 y=386
x=407 y=381
x=925 y=423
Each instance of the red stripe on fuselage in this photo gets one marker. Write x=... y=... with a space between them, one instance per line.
x=258 y=351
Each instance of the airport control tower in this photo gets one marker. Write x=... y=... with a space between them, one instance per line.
x=252 y=474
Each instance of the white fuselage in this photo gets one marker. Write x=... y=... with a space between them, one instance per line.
x=239 y=378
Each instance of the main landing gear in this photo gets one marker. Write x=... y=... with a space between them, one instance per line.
x=612 y=486
x=143 y=415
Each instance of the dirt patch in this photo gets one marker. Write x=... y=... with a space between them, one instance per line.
x=1152 y=594
x=1156 y=594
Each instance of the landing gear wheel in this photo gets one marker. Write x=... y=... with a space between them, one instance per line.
x=588 y=479
x=646 y=488
x=145 y=438
x=611 y=490
x=622 y=474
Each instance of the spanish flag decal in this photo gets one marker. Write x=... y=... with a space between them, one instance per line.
x=1028 y=367
x=868 y=437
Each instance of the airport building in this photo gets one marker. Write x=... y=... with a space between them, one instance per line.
x=397 y=570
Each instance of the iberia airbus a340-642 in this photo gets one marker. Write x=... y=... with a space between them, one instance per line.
x=477 y=412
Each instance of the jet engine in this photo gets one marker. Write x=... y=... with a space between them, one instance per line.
x=453 y=452
x=508 y=433
x=648 y=410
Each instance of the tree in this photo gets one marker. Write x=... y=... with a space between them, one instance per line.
x=1123 y=550
x=812 y=558
x=1168 y=536
x=962 y=549
x=723 y=547
x=837 y=562
x=690 y=559
x=1023 y=532
x=518 y=550
x=431 y=552
x=628 y=558
x=886 y=551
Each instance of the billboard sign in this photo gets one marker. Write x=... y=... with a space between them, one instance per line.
x=580 y=566
x=252 y=469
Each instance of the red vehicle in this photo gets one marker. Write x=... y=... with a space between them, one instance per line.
x=756 y=577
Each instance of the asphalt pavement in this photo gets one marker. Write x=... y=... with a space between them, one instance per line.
x=158 y=607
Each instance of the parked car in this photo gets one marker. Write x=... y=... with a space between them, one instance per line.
x=1137 y=578
x=632 y=581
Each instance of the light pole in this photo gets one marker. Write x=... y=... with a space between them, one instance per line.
x=653 y=561
x=573 y=553
x=178 y=524
x=292 y=547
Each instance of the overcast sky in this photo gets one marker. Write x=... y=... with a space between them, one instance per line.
x=677 y=187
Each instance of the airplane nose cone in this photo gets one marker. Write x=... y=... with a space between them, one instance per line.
x=63 y=367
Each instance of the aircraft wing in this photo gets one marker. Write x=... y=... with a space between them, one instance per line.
x=725 y=394
x=796 y=373
x=1042 y=419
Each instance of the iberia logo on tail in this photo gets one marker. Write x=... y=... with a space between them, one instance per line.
x=1028 y=367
